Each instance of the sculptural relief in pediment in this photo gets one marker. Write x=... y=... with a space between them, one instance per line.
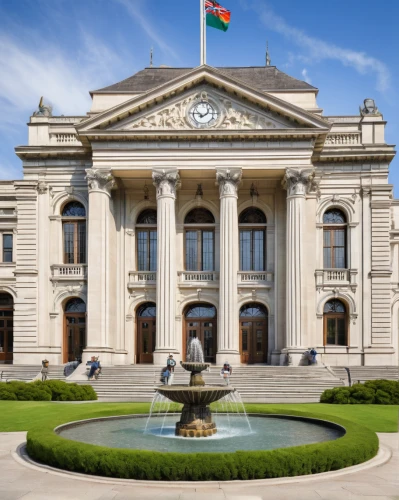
x=207 y=110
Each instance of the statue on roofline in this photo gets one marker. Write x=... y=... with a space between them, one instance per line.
x=43 y=109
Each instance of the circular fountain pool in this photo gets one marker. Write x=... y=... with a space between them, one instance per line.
x=261 y=432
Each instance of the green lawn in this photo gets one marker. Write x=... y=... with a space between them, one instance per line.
x=29 y=415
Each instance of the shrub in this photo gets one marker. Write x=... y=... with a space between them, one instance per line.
x=383 y=392
x=358 y=445
x=6 y=393
x=62 y=391
x=51 y=390
x=359 y=394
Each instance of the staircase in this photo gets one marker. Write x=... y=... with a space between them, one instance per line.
x=56 y=372
x=364 y=373
x=256 y=384
x=18 y=372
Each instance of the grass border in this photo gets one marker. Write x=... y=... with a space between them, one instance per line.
x=358 y=445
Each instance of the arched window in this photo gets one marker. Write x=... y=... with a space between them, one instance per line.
x=146 y=226
x=200 y=311
x=75 y=305
x=252 y=223
x=74 y=233
x=334 y=239
x=335 y=323
x=200 y=240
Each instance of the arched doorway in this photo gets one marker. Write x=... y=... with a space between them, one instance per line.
x=6 y=327
x=146 y=329
x=201 y=323
x=335 y=323
x=74 y=330
x=253 y=333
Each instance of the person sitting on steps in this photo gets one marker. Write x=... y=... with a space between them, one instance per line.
x=95 y=368
x=226 y=372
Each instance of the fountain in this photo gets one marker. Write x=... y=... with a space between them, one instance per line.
x=196 y=417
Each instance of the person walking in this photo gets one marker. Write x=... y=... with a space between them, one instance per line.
x=171 y=363
x=226 y=372
x=166 y=375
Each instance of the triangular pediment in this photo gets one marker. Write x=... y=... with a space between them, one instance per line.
x=204 y=108
x=204 y=99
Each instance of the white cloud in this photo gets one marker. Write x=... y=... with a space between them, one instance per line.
x=134 y=9
x=318 y=50
x=306 y=76
x=31 y=70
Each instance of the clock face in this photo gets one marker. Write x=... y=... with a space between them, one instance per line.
x=203 y=114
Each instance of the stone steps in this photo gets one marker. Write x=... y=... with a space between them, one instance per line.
x=260 y=384
x=19 y=372
x=364 y=373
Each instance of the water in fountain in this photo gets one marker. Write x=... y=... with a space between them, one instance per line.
x=194 y=351
x=159 y=408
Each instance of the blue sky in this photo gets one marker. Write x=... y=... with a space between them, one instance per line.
x=63 y=48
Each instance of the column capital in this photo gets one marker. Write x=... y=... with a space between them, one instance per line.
x=100 y=180
x=41 y=187
x=298 y=182
x=228 y=180
x=166 y=181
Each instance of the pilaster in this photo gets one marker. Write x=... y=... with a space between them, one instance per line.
x=228 y=337
x=381 y=270
x=166 y=182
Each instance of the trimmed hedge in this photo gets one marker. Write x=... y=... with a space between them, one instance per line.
x=358 y=445
x=51 y=390
x=379 y=392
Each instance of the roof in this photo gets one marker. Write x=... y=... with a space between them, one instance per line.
x=262 y=78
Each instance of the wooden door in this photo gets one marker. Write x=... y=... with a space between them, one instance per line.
x=253 y=340
x=6 y=335
x=75 y=336
x=146 y=328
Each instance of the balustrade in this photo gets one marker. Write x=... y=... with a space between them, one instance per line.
x=142 y=277
x=69 y=271
x=189 y=276
x=343 y=139
x=255 y=277
x=336 y=277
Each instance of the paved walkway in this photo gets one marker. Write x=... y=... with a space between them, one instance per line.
x=22 y=480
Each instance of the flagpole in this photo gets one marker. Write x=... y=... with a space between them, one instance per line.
x=203 y=32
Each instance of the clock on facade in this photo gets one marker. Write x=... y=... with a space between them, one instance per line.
x=203 y=114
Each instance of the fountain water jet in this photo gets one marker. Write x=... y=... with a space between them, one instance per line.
x=196 y=417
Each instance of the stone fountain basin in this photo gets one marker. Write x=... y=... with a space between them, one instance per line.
x=194 y=366
x=195 y=395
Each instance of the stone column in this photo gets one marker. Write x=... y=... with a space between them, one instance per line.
x=166 y=182
x=101 y=289
x=228 y=337
x=296 y=183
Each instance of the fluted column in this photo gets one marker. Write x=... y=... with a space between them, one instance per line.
x=228 y=338
x=166 y=182
x=101 y=290
x=296 y=182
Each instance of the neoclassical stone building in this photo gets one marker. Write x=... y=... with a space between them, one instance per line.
x=217 y=203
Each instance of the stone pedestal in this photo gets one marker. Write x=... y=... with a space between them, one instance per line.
x=101 y=289
x=296 y=183
x=166 y=182
x=195 y=421
x=228 y=338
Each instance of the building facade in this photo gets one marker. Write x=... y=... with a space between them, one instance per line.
x=212 y=203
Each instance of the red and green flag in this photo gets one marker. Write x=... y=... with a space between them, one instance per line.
x=216 y=16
